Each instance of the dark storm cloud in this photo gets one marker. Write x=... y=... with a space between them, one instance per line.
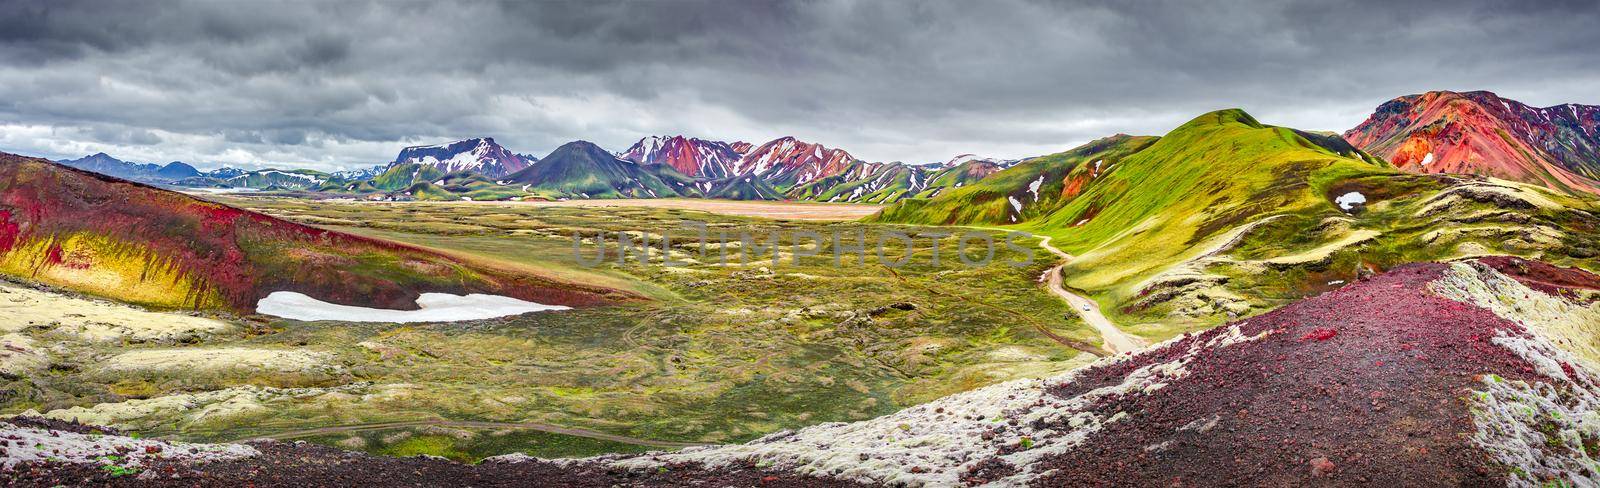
x=347 y=83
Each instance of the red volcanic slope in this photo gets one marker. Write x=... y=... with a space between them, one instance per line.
x=1542 y=276
x=1365 y=382
x=1481 y=133
x=786 y=162
x=234 y=257
x=691 y=156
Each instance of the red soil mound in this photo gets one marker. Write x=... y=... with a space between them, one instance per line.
x=1543 y=276
x=1362 y=384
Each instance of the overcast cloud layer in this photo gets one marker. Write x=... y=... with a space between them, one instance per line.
x=346 y=84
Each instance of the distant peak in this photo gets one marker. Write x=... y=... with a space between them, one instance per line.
x=968 y=158
x=658 y=140
x=579 y=144
x=473 y=140
x=1446 y=96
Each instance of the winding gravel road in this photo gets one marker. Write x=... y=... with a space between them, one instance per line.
x=1115 y=340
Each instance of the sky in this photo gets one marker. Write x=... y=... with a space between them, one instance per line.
x=347 y=84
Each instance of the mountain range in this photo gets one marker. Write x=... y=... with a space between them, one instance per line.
x=180 y=174
x=1475 y=133
x=105 y=164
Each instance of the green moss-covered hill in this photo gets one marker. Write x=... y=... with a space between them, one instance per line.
x=1226 y=216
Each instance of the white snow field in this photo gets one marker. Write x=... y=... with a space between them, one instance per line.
x=432 y=307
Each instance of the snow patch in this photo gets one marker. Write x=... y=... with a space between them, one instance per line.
x=1427 y=159
x=1349 y=201
x=433 y=307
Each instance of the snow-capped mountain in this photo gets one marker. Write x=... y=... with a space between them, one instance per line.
x=1481 y=133
x=960 y=159
x=360 y=173
x=225 y=172
x=273 y=178
x=694 y=157
x=262 y=179
x=481 y=155
x=786 y=162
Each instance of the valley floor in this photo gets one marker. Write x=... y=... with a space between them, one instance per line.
x=723 y=352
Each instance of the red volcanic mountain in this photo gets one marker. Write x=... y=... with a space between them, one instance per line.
x=694 y=157
x=788 y=162
x=1480 y=133
x=127 y=241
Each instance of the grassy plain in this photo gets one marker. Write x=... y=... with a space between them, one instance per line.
x=724 y=352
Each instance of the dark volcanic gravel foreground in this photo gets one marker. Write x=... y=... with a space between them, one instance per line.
x=1363 y=385
x=302 y=464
